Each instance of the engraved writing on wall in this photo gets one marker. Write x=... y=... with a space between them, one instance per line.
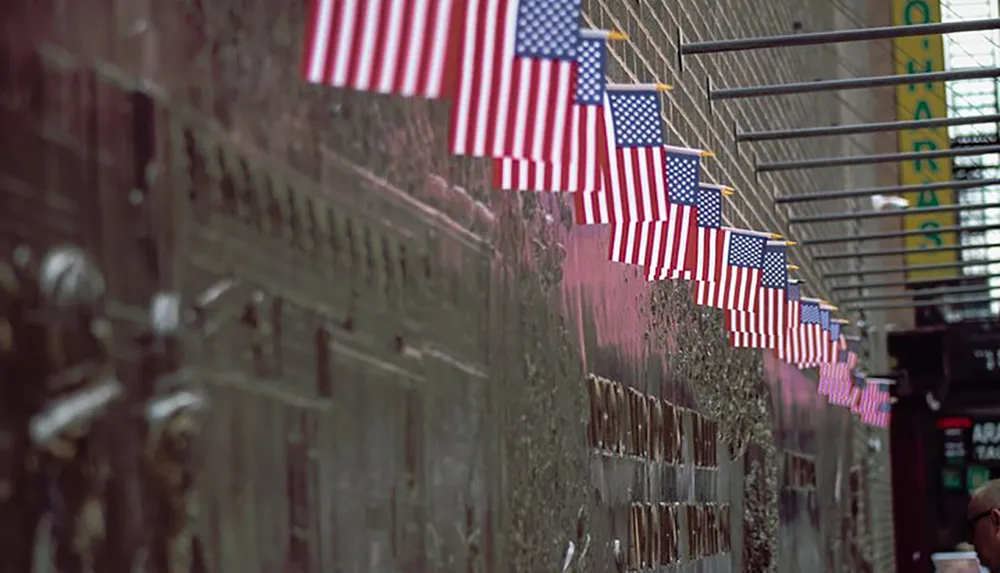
x=626 y=422
x=650 y=430
x=667 y=533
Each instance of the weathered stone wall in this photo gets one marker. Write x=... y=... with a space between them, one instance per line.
x=413 y=392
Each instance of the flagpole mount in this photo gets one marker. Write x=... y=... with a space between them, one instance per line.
x=862 y=128
x=900 y=234
x=843 y=84
x=845 y=160
x=836 y=36
x=904 y=251
x=680 y=56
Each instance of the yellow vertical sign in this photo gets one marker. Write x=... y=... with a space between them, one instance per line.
x=923 y=101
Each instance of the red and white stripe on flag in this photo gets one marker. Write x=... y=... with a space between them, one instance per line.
x=842 y=391
x=735 y=289
x=703 y=262
x=506 y=105
x=762 y=327
x=802 y=345
x=636 y=183
x=865 y=403
x=833 y=378
x=656 y=245
x=819 y=348
x=793 y=313
x=593 y=208
x=404 y=47
x=580 y=169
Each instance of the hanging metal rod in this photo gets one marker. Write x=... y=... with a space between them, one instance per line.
x=891 y=252
x=922 y=303
x=837 y=36
x=851 y=83
x=958 y=184
x=903 y=233
x=846 y=216
x=910 y=268
x=917 y=293
x=907 y=283
x=859 y=128
x=873 y=159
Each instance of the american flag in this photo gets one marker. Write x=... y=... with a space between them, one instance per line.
x=856 y=389
x=821 y=349
x=709 y=240
x=792 y=297
x=867 y=398
x=401 y=47
x=882 y=414
x=516 y=76
x=603 y=207
x=853 y=348
x=830 y=342
x=845 y=392
x=764 y=326
x=835 y=378
x=834 y=331
x=739 y=274
x=634 y=182
x=585 y=150
x=802 y=345
x=874 y=395
x=662 y=245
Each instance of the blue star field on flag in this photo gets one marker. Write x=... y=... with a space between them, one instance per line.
x=775 y=273
x=636 y=118
x=548 y=29
x=709 y=208
x=746 y=251
x=590 y=72
x=794 y=291
x=682 y=178
x=810 y=313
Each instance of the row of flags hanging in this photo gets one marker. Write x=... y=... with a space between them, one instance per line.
x=528 y=90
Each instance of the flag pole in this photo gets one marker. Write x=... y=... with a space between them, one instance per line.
x=958 y=185
x=924 y=303
x=828 y=217
x=836 y=36
x=861 y=128
x=905 y=251
x=821 y=162
x=918 y=293
x=905 y=283
x=851 y=83
x=652 y=87
x=911 y=268
x=903 y=233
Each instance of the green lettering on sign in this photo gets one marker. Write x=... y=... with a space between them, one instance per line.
x=923 y=110
x=912 y=6
x=927 y=199
x=932 y=237
x=925 y=145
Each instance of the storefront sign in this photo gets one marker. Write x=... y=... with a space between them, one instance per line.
x=916 y=55
x=986 y=441
x=953 y=444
